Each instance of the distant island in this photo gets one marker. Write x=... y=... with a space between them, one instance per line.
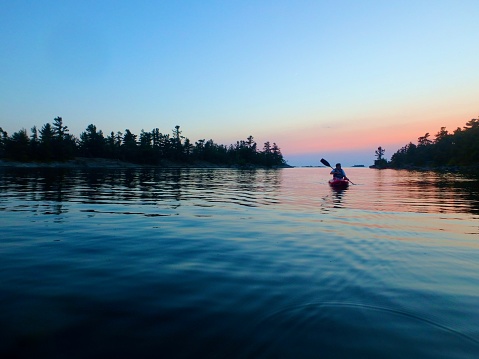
x=456 y=151
x=53 y=145
x=358 y=166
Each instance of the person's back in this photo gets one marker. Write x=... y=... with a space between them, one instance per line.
x=338 y=172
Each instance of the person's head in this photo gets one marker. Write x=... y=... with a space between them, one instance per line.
x=338 y=165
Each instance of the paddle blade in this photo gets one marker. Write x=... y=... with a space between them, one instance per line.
x=324 y=162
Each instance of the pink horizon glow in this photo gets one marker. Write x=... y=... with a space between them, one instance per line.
x=392 y=137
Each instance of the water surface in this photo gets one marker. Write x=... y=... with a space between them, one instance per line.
x=238 y=264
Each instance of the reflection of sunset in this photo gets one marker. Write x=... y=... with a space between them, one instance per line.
x=385 y=191
x=386 y=205
x=417 y=192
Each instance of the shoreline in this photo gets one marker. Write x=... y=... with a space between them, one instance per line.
x=97 y=163
x=469 y=169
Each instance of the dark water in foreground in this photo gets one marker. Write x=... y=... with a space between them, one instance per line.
x=238 y=264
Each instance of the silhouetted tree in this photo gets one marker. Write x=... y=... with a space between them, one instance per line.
x=176 y=143
x=46 y=142
x=187 y=148
x=92 y=142
x=129 y=147
x=17 y=146
x=380 y=162
x=442 y=149
x=277 y=155
x=3 y=142
x=424 y=140
x=63 y=144
x=442 y=135
x=146 y=153
x=34 y=144
x=199 y=149
x=459 y=148
x=271 y=155
x=380 y=153
x=53 y=142
x=59 y=130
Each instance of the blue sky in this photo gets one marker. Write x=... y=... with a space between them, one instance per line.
x=331 y=79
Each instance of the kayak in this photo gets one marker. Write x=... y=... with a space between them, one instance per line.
x=338 y=183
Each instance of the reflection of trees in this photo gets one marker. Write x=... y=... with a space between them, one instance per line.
x=161 y=188
x=429 y=192
x=463 y=195
x=50 y=187
x=164 y=190
x=253 y=186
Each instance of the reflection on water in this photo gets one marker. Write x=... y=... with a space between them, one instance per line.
x=413 y=191
x=148 y=186
x=337 y=195
x=238 y=264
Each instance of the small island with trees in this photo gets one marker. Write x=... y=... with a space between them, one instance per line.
x=456 y=151
x=54 y=144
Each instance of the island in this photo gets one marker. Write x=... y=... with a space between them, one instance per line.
x=448 y=152
x=54 y=146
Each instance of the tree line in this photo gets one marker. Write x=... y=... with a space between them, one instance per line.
x=459 y=148
x=53 y=142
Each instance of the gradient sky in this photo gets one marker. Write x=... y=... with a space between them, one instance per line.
x=332 y=79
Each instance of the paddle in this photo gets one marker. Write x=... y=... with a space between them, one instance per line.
x=326 y=163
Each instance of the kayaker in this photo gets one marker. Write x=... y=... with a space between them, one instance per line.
x=338 y=173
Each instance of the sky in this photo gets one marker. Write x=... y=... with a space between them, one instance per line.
x=321 y=79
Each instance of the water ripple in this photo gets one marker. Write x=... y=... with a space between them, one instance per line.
x=219 y=263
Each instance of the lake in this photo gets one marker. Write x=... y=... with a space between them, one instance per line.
x=228 y=263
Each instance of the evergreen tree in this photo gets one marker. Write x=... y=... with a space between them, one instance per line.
x=146 y=152
x=459 y=148
x=380 y=153
x=46 y=142
x=3 y=142
x=380 y=162
x=34 y=144
x=59 y=130
x=277 y=155
x=63 y=144
x=176 y=143
x=53 y=142
x=92 y=142
x=129 y=147
x=18 y=146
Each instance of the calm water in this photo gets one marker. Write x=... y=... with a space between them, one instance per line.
x=224 y=263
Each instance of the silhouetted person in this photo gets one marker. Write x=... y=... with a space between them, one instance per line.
x=338 y=172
